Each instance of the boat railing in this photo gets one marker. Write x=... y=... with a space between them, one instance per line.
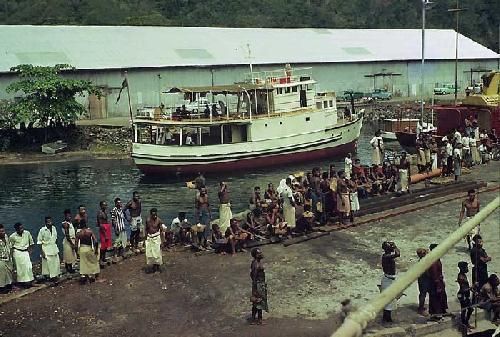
x=280 y=76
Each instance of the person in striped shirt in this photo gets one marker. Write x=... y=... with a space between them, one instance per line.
x=118 y=221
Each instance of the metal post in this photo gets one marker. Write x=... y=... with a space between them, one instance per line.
x=357 y=321
x=457 y=11
x=424 y=2
x=159 y=90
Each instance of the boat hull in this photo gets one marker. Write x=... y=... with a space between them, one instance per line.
x=328 y=143
x=250 y=163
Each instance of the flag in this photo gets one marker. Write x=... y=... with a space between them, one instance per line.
x=124 y=85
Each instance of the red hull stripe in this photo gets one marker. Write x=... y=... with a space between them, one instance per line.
x=256 y=162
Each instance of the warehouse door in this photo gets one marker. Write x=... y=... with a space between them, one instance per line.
x=97 y=107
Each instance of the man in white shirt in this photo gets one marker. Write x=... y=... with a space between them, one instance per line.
x=457 y=136
x=22 y=245
x=449 y=158
x=180 y=227
x=286 y=195
x=466 y=154
x=348 y=166
x=47 y=239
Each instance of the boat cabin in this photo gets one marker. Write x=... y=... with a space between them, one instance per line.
x=227 y=114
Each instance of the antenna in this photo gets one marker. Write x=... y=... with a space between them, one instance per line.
x=249 y=57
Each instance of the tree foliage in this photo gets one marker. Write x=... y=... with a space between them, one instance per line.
x=46 y=95
x=480 y=21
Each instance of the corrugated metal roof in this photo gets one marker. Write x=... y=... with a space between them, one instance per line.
x=106 y=47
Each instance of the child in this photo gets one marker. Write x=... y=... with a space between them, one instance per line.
x=463 y=295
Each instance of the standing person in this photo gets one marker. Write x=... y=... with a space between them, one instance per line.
x=225 y=213
x=391 y=253
x=464 y=295
x=404 y=173
x=476 y=159
x=479 y=259
x=470 y=207
x=203 y=214
x=423 y=284
x=286 y=196
x=5 y=262
x=449 y=158
x=89 y=253
x=438 y=301
x=135 y=208
x=259 y=287
x=377 y=144
x=118 y=222
x=457 y=161
x=47 y=239
x=104 y=230
x=348 y=166
x=153 y=229
x=69 y=248
x=80 y=215
x=466 y=151
x=22 y=246
x=343 y=200
x=489 y=295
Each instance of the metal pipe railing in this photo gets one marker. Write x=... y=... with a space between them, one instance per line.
x=355 y=323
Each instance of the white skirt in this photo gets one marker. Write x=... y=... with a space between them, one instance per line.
x=51 y=266
x=24 y=268
x=5 y=273
x=354 y=201
x=153 y=249
x=225 y=216
x=403 y=179
x=69 y=254
x=289 y=215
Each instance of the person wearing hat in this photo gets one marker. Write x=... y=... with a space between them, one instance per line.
x=259 y=287
x=391 y=253
x=464 y=295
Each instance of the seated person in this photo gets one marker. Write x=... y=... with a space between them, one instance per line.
x=237 y=236
x=357 y=168
x=256 y=199
x=256 y=222
x=180 y=228
x=198 y=235
x=273 y=217
x=206 y=112
x=489 y=295
x=270 y=195
x=219 y=241
x=305 y=223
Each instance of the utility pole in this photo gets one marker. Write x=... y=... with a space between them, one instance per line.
x=457 y=11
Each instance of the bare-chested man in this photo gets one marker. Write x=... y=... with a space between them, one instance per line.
x=135 y=208
x=203 y=214
x=81 y=215
x=104 y=226
x=470 y=207
x=154 y=239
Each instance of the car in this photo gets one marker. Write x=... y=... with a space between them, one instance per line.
x=381 y=94
x=356 y=94
x=444 y=89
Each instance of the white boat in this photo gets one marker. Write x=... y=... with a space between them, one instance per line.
x=273 y=118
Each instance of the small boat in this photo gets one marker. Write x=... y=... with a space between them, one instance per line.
x=392 y=125
x=271 y=119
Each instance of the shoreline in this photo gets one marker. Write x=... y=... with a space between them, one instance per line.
x=16 y=158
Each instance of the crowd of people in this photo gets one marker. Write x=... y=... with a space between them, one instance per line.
x=483 y=292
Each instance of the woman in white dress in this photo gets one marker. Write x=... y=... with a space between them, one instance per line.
x=377 y=144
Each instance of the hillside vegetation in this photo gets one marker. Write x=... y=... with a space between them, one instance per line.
x=480 y=21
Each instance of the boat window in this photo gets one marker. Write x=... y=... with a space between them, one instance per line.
x=287 y=90
x=308 y=119
x=277 y=91
x=331 y=103
x=325 y=104
x=294 y=89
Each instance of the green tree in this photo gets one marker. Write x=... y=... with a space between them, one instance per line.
x=46 y=95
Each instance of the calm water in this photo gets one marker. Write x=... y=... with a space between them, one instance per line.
x=30 y=192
